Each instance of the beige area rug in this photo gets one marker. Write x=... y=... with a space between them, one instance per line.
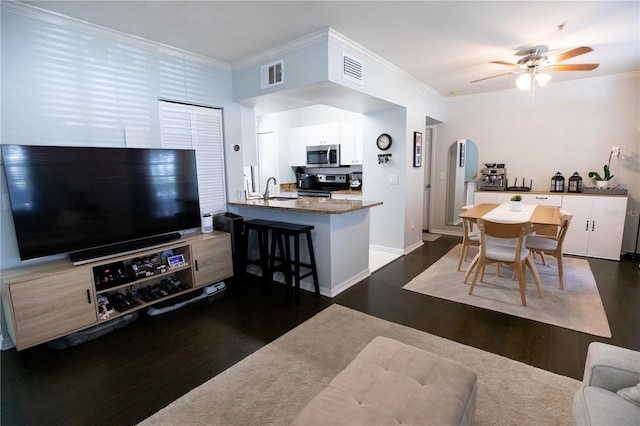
x=577 y=307
x=272 y=385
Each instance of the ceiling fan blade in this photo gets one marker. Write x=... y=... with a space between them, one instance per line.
x=494 y=76
x=571 y=54
x=572 y=67
x=509 y=64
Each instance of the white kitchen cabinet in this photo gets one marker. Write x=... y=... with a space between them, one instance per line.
x=529 y=198
x=302 y=137
x=485 y=197
x=597 y=225
x=542 y=199
x=298 y=139
x=350 y=143
x=322 y=134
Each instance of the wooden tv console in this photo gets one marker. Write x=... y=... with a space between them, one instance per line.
x=50 y=300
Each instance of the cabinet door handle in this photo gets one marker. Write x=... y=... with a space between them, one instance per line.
x=88 y=296
x=542 y=198
x=196 y=262
x=587 y=227
x=593 y=225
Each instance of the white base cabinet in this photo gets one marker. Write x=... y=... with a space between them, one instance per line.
x=597 y=225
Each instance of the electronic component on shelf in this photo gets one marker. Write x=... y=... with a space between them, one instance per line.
x=122 y=302
x=175 y=261
x=165 y=287
x=111 y=275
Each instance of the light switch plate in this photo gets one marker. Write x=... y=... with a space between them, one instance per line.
x=441 y=175
x=393 y=179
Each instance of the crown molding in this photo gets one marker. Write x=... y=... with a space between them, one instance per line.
x=42 y=15
x=345 y=42
x=329 y=34
x=267 y=55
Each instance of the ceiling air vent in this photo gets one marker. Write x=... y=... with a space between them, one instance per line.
x=271 y=74
x=351 y=69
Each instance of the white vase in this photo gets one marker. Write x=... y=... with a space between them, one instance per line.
x=602 y=184
x=516 y=206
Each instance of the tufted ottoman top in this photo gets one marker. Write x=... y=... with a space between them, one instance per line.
x=391 y=383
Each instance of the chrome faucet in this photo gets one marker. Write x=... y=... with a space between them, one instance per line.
x=266 y=191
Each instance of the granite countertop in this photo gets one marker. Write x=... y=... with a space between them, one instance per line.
x=309 y=204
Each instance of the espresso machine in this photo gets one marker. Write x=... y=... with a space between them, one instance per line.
x=494 y=177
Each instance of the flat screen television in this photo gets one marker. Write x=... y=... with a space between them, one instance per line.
x=91 y=202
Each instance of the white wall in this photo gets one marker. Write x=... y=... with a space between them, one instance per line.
x=62 y=85
x=566 y=127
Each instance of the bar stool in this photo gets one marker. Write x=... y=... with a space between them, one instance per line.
x=282 y=232
x=261 y=227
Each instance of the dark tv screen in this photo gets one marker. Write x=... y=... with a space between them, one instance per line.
x=68 y=199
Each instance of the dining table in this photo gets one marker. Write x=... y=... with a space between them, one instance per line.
x=539 y=216
x=543 y=219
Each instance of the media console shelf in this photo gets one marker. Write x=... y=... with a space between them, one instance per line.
x=50 y=300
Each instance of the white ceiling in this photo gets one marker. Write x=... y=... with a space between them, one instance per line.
x=445 y=45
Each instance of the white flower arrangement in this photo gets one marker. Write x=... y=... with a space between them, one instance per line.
x=617 y=152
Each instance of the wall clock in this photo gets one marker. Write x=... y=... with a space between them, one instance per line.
x=384 y=141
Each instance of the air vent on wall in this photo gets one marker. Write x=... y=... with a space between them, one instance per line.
x=351 y=69
x=272 y=74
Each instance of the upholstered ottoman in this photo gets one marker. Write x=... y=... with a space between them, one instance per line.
x=392 y=383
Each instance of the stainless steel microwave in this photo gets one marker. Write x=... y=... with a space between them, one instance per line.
x=323 y=155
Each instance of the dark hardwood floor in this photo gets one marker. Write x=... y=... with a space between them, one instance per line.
x=127 y=375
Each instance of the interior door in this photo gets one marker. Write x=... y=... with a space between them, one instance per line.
x=426 y=203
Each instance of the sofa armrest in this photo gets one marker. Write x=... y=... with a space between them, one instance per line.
x=611 y=367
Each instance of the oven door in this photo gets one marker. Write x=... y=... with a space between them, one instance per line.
x=323 y=156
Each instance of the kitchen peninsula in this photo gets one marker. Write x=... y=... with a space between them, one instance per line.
x=340 y=237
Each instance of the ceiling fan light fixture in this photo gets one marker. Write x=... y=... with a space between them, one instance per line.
x=542 y=78
x=524 y=81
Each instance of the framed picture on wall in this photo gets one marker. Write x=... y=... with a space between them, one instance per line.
x=417 y=149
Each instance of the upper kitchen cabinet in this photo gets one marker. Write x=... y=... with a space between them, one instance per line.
x=302 y=137
x=322 y=134
x=347 y=133
x=298 y=139
x=350 y=143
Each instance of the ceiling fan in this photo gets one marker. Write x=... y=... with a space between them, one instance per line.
x=534 y=63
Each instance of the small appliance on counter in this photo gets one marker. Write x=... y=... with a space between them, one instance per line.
x=494 y=177
x=356 y=181
x=306 y=181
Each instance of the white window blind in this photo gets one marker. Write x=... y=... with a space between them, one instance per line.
x=185 y=126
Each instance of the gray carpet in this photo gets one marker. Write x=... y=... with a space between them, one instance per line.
x=272 y=385
x=577 y=307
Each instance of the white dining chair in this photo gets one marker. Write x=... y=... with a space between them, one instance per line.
x=551 y=246
x=505 y=243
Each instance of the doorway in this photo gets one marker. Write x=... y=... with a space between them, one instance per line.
x=426 y=201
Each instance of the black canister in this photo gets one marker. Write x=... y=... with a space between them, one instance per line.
x=557 y=183
x=575 y=183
